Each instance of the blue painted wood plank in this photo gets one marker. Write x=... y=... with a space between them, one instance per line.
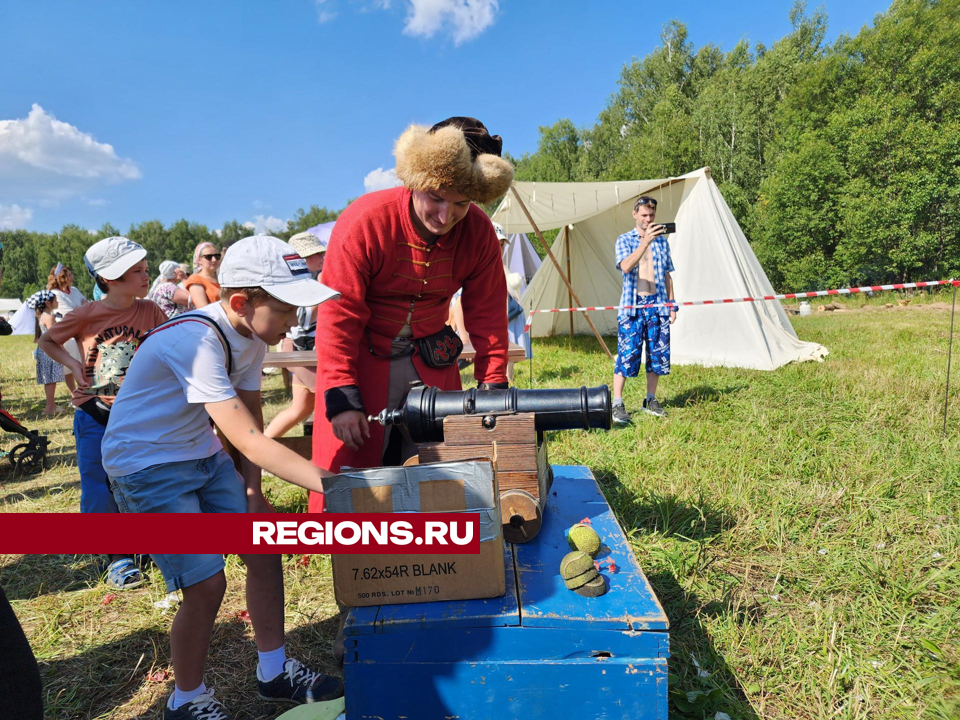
x=489 y=612
x=361 y=620
x=507 y=644
x=545 y=601
x=528 y=673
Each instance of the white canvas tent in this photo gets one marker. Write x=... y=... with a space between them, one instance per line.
x=520 y=256
x=323 y=231
x=712 y=257
x=23 y=321
x=9 y=305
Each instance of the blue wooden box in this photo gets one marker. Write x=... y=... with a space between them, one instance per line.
x=540 y=651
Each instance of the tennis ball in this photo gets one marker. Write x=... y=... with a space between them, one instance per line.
x=575 y=563
x=584 y=538
x=581 y=580
x=594 y=588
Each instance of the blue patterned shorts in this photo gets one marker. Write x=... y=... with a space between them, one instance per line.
x=632 y=332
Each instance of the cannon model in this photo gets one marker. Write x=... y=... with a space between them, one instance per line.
x=507 y=425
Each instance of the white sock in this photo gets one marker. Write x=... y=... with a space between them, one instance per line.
x=182 y=697
x=651 y=397
x=618 y=401
x=271 y=663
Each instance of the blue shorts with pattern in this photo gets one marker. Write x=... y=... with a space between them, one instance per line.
x=647 y=327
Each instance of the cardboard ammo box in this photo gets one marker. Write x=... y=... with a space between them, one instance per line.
x=469 y=487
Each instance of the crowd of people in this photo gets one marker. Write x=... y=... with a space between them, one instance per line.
x=408 y=274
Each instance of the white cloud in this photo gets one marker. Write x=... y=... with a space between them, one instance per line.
x=14 y=216
x=43 y=159
x=323 y=13
x=261 y=224
x=380 y=179
x=463 y=19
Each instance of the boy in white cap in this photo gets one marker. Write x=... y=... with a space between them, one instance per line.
x=162 y=456
x=108 y=333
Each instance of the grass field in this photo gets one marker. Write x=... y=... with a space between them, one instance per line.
x=800 y=528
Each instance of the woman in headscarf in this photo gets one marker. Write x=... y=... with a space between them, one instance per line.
x=172 y=299
x=202 y=285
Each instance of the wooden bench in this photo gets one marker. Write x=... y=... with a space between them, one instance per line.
x=308 y=358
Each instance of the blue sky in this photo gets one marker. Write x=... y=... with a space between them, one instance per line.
x=218 y=110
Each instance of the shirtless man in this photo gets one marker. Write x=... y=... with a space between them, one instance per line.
x=643 y=256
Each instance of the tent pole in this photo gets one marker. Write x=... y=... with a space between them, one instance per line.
x=566 y=249
x=946 y=392
x=560 y=271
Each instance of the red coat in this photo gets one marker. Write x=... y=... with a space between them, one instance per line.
x=384 y=270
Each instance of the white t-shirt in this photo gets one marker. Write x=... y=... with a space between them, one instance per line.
x=158 y=416
x=68 y=301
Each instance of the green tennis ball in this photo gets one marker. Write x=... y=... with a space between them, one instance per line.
x=581 y=580
x=575 y=563
x=594 y=588
x=584 y=538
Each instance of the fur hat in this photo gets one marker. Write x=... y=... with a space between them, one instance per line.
x=457 y=153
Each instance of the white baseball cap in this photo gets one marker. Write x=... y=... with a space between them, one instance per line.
x=269 y=263
x=498 y=229
x=111 y=257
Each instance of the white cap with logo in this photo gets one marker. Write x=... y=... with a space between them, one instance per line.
x=111 y=257
x=269 y=263
x=498 y=229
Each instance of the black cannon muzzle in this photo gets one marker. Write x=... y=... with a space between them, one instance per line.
x=563 y=409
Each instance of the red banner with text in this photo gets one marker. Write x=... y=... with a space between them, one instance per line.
x=326 y=533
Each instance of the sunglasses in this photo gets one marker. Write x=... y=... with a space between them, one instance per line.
x=646 y=201
x=211 y=256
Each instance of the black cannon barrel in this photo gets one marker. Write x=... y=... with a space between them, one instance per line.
x=555 y=409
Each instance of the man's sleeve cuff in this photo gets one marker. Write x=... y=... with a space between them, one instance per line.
x=341 y=399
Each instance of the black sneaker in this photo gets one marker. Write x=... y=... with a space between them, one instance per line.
x=202 y=707
x=653 y=407
x=298 y=684
x=620 y=415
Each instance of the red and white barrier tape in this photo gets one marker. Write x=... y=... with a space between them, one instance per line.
x=723 y=301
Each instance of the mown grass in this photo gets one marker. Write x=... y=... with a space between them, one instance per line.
x=800 y=528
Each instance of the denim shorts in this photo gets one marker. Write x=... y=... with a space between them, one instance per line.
x=210 y=485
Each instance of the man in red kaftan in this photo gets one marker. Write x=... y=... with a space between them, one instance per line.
x=397 y=257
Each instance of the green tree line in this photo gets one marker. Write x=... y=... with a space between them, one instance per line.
x=29 y=256
x=841 y=161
